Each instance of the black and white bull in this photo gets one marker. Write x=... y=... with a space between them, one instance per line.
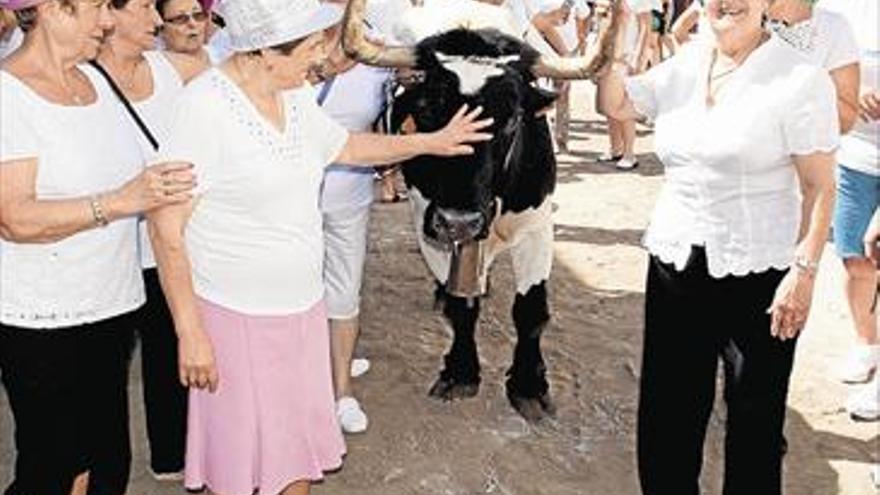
x=499 y=196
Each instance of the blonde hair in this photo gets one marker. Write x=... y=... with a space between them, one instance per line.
x=7 y=19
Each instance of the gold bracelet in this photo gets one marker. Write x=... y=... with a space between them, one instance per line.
x=806 y=266
x=98 y=212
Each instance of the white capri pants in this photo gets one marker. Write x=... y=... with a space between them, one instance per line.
x=345 y=251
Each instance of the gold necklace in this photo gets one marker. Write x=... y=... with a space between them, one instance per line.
x=72 y=94
x=711 y=78
x=129 y=82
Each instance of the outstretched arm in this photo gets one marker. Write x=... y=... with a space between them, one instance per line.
x=455 y=139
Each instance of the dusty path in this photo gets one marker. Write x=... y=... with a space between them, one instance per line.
x=418 y=446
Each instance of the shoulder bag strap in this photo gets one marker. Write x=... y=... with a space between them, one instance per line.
x=128 y=106
x=325 y=90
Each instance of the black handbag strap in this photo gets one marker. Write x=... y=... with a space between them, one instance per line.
x=128 y=106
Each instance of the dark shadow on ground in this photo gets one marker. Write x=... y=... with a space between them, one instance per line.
x=597 y=236
x=575 y=165
x=599 y=127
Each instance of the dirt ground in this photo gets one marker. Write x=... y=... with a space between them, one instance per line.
x=480 y=446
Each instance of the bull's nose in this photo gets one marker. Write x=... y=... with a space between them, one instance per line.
x=457 y=225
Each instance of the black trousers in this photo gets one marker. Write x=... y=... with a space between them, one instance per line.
x=692 y=319
x=165 y=399
x=68 y=392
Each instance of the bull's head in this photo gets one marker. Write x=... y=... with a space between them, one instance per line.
x=481 y=67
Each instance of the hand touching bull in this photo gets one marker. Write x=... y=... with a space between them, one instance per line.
x=456 y=138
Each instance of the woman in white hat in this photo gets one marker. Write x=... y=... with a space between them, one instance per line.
x=241 y=265
x=72 y=185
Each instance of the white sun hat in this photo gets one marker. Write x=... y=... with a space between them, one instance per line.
x=256 y=24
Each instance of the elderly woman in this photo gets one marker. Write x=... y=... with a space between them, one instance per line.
x=184 y=30
x=856 y=211
x=152 y=81
x=827 y=38
x=72 y=184
x=746 y=129
x=242 y=263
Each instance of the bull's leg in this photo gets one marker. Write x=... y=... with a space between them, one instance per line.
x=527 y=387
x=460 y=377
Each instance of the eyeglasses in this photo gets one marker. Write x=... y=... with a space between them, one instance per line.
x=180 y=20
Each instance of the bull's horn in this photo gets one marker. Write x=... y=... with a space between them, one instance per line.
x=589 y=65
x=358 y=47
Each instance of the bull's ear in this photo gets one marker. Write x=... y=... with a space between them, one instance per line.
x=539 y=99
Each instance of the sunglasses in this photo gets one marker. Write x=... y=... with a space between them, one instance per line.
x=180 y=20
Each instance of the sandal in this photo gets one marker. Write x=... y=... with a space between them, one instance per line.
x=608 y=158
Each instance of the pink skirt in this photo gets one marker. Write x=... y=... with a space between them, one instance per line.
x=272 y=420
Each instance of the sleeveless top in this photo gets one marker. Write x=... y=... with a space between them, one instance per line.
x=156 y=113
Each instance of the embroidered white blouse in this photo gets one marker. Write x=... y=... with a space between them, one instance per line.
x=254 y=238
x=731 y=184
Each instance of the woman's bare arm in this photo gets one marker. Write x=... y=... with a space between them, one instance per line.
x=25 y=218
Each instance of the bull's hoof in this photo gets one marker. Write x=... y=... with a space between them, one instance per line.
x=449 y=390
x=533 y=409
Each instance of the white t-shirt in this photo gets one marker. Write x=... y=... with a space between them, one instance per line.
x=731 y=184
x=10 y=42
x=255 y=235
x=826 y=39
x=156 y=113
x=354 y=101
x=80 y=150
x=860 y=148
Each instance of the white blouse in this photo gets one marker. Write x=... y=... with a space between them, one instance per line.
x=354 y=101
x=80 y=150
x=255 y=236
x=731 y=184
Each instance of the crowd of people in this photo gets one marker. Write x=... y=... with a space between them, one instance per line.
x=197 y=179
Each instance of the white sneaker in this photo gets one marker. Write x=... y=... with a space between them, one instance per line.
x=351 y=417
x=864 y=405
x=359 y=366
x=860 y=364
x=178 y=476
x=626 y=163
